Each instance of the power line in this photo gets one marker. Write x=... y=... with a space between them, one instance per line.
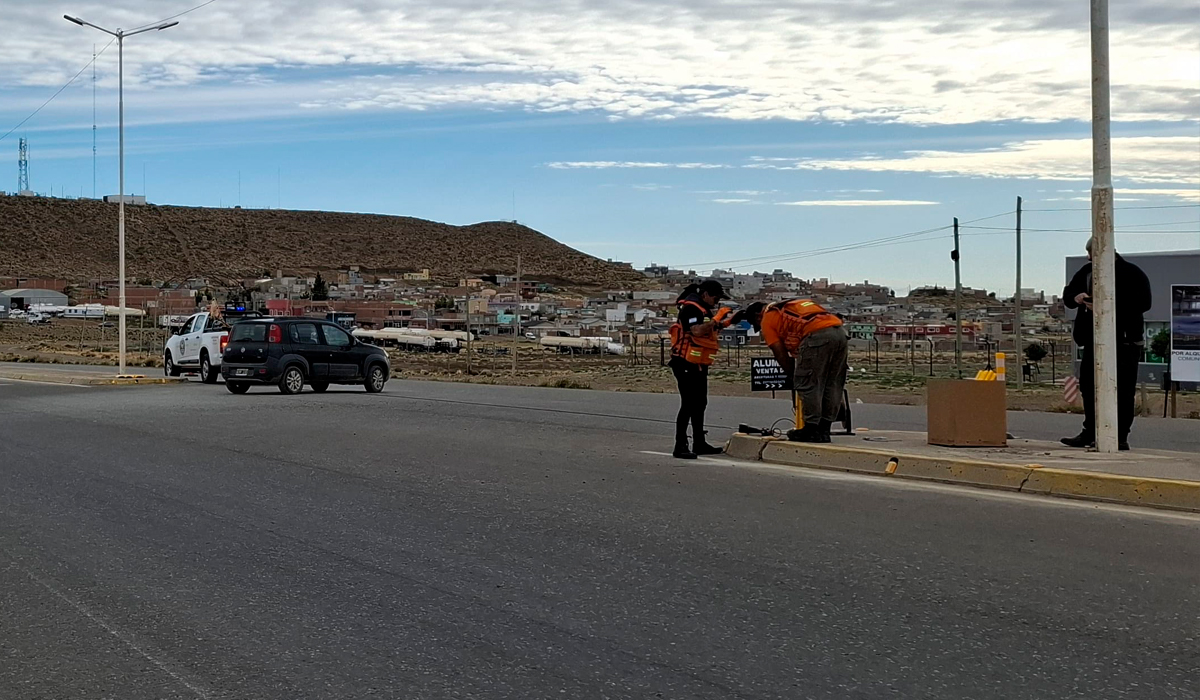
x=92 y=63
x=877 y=242
x=167 y=19
x=64 y=87
x=1161 y=206
x=778 y=256
x=1077 y=230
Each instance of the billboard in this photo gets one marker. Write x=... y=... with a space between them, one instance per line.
x=1185 y=332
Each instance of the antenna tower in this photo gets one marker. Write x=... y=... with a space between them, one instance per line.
x=93 y=121
x=23 y=166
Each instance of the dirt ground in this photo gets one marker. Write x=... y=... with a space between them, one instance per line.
x=900 y=379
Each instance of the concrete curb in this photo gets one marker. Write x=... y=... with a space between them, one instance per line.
x=1170 y=494
x=89 y=381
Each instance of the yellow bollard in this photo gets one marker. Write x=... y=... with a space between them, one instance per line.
x=1001 y=369
x=799 y=410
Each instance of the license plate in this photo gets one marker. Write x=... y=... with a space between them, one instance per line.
x=242 y=372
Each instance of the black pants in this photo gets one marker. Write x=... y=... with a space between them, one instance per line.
x=693 y=399
x=1128 y=357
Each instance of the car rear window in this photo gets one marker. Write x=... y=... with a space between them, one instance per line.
x=253 y=332
x=304 y=334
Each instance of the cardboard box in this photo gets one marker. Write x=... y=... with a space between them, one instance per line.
x=967 y=413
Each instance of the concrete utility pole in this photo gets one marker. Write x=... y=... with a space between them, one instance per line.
x=957 y=304
x=1104 y=328
x=120 y=35
x=1017 y=331
x=517 y=320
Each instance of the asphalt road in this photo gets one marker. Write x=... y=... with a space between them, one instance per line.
x=726 y=413
x=452 y=541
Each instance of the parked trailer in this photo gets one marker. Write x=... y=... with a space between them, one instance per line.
x=583 y=345
x=396 y=337
x=437 y=334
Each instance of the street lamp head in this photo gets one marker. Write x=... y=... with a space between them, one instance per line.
x=167 y=26
x=76 y=20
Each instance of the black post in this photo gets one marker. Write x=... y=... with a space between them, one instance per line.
x=876 y=339
x=662 y=352
x=1053 y=361
x=930 y=356
x=912 y=352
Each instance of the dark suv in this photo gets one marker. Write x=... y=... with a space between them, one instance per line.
x=291 y=351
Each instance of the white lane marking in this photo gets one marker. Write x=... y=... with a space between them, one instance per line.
x=960 y=490
x=122 y=637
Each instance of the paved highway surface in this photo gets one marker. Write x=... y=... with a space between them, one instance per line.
x=450 y=541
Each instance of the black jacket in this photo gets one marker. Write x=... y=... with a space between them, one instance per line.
x=1133 y=300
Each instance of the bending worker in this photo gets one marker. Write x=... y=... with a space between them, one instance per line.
x=694 y=346
x=811 y=346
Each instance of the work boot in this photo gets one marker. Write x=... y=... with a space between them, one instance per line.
x=1081 y=440
x=808 y=433
x=682 y=451
x=703 y=448
x=825 y=427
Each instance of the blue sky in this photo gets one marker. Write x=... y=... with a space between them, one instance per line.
x=683 y=133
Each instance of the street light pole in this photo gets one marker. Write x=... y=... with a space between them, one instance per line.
x=1104 y=326
x=120 y=35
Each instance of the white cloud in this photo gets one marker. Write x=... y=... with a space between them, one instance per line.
x=1191 y=195
x=858 y=203
x=735 y=201
x=611 y=164
x=958 y=61
x=1143 y=159
x=745 y=193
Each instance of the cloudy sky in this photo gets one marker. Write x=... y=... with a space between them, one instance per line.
x=743 y=133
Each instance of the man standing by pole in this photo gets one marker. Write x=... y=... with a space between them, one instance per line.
x=1132 y=304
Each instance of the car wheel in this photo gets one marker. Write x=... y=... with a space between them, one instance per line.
x=207 y=375
x=319 y=387
x=292 y=381
x=376 y=378
x=237 y=387
x=169 y=369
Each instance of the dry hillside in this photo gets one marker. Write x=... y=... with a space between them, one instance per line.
x=76 y=239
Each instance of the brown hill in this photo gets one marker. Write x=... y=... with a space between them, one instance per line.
x=76 y=240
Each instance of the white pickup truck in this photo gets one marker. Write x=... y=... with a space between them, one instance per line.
x=197 y=347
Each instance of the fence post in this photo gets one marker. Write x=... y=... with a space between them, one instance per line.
x=662 y=352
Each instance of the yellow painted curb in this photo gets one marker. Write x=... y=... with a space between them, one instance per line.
x=1115 y=488
x=1008 y=477
x=90 y=381
x=1027 y=478
x=806 y=454
x=742 y=446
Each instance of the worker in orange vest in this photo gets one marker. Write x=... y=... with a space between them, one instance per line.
x=694 y=347
x=810 y=344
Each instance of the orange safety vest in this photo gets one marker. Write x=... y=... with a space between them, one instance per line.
x=697 y=349
x=807 y=316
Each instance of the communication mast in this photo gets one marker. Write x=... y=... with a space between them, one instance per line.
x=23 y=166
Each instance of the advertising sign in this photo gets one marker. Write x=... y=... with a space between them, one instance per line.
x=767 y=375
x=1185 y=332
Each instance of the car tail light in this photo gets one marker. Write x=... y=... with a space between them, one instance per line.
x=274 y=334
x=224 y=342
